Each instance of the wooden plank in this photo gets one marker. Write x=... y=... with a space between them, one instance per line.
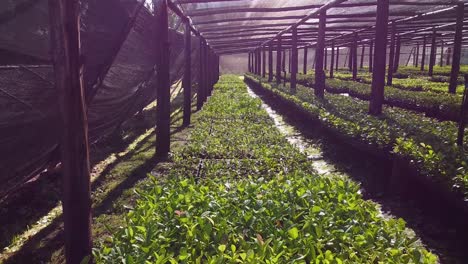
x=380 y=54
x=64 y=21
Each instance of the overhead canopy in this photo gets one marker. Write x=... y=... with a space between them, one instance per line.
x=237 y=26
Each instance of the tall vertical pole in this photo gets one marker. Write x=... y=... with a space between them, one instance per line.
x=391 y=57
x=416 y=57
x=371 y=56
x=354 y=52
x=432 y=55
x=350 y=58
x=363 y=51
x=201 y=81
x=304 y=65
x=457 y=43
x=396 y=63
x=332 y=63
x=187 y=82
x=283 y=61
x=270 y=62
x=337 y=57
x=441 y=62
x=294 y=60
x=380 y=54
x=319 y=72
x=289 y=60
x=449 y=55
x=64 y=18
x=278 y=61
x=423 y=58
x=163 y=106
x=325 y=58
x=249 y=64
x=264 y=62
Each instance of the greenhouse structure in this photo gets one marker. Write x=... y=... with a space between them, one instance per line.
x=234 y=131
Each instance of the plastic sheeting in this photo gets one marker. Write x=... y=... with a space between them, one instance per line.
x=119 y=76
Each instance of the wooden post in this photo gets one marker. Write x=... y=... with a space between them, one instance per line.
x=350 y=58
x=283 y=61
x=319 y=72
x=464 y=110
x=304 y=65
x=423 y=56
x=409 y=57
x=259 y=61
x=391 y=57
x=264 y=63
x=64 y=18
x=332 y=62
x=325 y=58
x=456 y=49
x=163 y=97
x=371 y=56
x=249 y=64
x=201 y=81
x=432 y=55
x=396 y=63
x=187 y=82
x=354 y=52
x=270 y=62
x=294 y=60
x=449 y=55
x=337 y=57
x=363 y=51
x=378 y=73
x=416 y=57
x=441 y=62
x=278 y=61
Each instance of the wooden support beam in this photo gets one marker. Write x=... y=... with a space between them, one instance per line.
x=325 y=58
x=441 y=62
x=380 y=54
x=163 y=97
x=332 y=62
x=249 y=63
x=449 y=55
x=304 y=64
x=187 y=81
x=396 y=63
x=337 y=56
x=457 y=43
x=283 y=61
x=416 y=58
x=363 y=51
x=294 y=61
x=350 y=58
x=371 y=55
x=289 y=57
x=242 y=19
x=423 y=55
x=391 y=57
x=319 y=72
x=355 y=63
x=259 y=61
x=278 y=61
x=270 y=62
x=201 y=74
x=432 y=55
x=264 y=63
x=463 y=115
x=64 y=21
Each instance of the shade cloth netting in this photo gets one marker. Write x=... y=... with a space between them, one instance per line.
x=240 y=26
x=29 y=122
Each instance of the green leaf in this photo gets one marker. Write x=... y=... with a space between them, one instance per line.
x=293 y=233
